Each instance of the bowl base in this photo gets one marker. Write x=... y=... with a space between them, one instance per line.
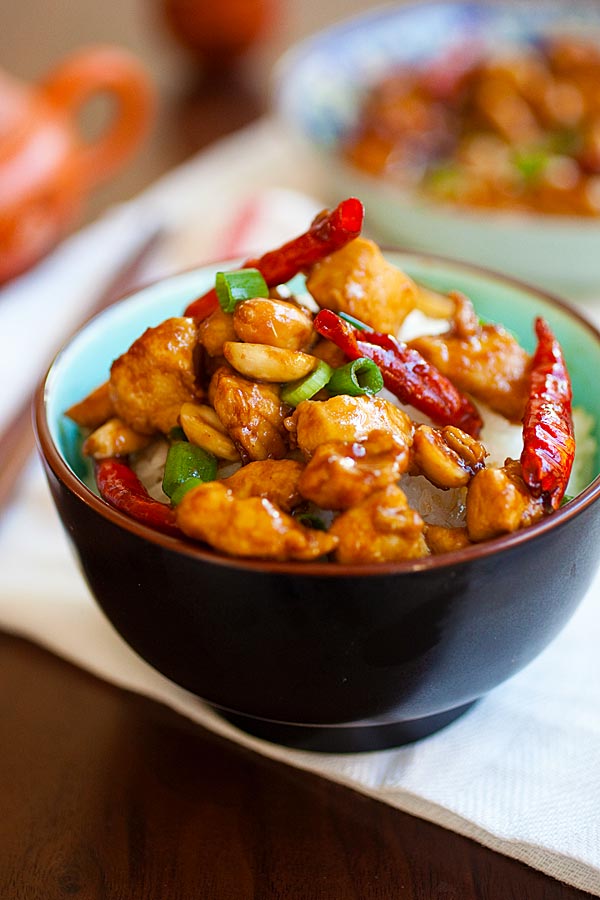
x=342 y=738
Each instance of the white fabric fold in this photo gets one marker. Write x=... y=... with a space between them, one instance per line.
x=520 y=772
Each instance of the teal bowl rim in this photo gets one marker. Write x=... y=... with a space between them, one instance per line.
x=54 y=459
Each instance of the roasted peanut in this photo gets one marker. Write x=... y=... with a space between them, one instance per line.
x=448 y=457
x=264 y=363
x=203 y=427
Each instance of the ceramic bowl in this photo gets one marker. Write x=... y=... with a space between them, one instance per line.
x=317 y=655
x=318 y=89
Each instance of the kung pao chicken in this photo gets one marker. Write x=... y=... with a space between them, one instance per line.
x=290 y=427
x=518 y=129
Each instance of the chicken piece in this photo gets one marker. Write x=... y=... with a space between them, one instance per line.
x=383 y=528
x=155 y=376
x=340 y=475
x=508 y=114
x=347 y=419
x=216 y=330
x=114 y=438
x=483 y=360
x=250 y=526
x=275 y=479
x=274 y=322
x=330 y=353
x=441 y=539
x=499 y=502
x=93 y=410
x=446 y=456
x=251 y=413
x=359 y=280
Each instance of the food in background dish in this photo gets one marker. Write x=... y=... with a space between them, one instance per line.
x=517 y=129
x=277 y=423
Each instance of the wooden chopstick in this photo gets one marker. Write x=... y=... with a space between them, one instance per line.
x=17 y=438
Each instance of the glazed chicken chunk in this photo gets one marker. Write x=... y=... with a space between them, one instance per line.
x=383 y=528
x=248 y=527
x=347 y=419
x=215 y=331
x=499 y=502
x=275 y=479
x=114 y=438
x=149 y=383
x=251 y=413
x=442 y=539
x=483 y=360
x=359 y=280
x=339 y=474
x=94 y=409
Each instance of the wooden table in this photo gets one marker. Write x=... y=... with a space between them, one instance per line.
x=109 y=796
x=105 y=794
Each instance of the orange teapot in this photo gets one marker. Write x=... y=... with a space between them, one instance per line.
x=47 y=166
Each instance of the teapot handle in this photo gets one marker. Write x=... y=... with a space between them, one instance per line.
x=113 y=72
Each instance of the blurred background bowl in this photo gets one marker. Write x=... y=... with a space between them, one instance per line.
x=319 y=87
x=319 y=655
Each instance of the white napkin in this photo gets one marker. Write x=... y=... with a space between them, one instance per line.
x=520 y=772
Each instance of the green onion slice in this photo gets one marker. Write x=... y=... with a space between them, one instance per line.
x=295 y=392
x=310 y=520
x=531 y=165
x=243 y=284
x=361 y=376
x=355 y=322
x=182 y=489
x=186 y=461
x=177 y=434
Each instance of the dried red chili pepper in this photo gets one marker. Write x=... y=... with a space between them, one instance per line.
x=329 y=231
x=119 y=485
x=548 y=437
x=405 y=373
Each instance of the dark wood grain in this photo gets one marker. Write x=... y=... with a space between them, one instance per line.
x=109 y=795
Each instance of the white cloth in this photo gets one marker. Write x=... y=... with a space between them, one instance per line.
x=520 y=772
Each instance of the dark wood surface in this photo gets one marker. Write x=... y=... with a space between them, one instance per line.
x=109 y=796
x=105 y=795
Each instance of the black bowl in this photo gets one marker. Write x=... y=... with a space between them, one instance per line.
x=317 y=655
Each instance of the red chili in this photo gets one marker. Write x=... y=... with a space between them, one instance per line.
x=548 y=437
x=328 y=232
x=405 y=373
x=119 y=485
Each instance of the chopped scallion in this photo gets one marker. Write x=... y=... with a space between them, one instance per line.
x=361 y=376
x=242 y=284
x=355 y=322
x=295 y=392
x=531 y=165
x=184 y=462
x=182 y=489
x=310 y=520
x=177 y=434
